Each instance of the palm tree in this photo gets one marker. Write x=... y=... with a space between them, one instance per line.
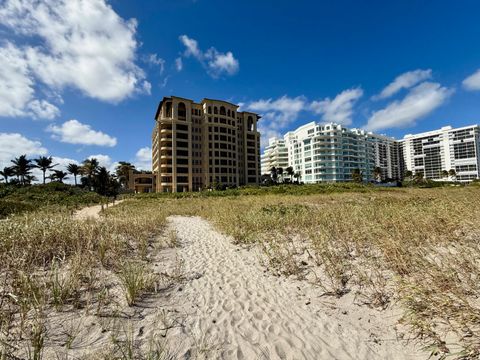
x=123 y=172
x=89 y=169
x=377 y=173
x=357 y=176
x=444 y=173
x=58 y=175
x=419 y=177
x=280 y=172
x=102 y=180
x=452 y=173
x=289 y=171
x=297 y=176
x=73 y=169
x=6 y=173
x=408 y=174
x=22 y=167
x=274 y=173
x=44 y=163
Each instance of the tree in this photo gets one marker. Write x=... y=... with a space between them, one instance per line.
x=452 y=173
x=357 y=176
x=274 y=174
x=123 y=172
x=419 y=177
x=280 y=172
x=297 y=176
x=105 y=183
x=73 y=169
x=44 y=163
x=408 y=174
x=289 y=171
x=444 y=173
x=58 y=175
x=377 y=174
x=6 y=173
x=22 y=168
x=89 y=169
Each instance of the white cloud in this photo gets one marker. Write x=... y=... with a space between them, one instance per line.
x=179 y=64
x=43 y=109
x=277 y=114
x=419 y=102
x=216 y=63
x=472 y=82
x=17 y=87
x=153 y=59
x=143 y=158
x=340 y=109
x=74 y=132
x=13 y=145
x=81 y=44
x=404 y=81
x=105 y=161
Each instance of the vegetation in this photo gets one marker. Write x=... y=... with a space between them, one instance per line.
x=414 y=248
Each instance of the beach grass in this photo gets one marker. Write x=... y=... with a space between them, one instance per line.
x=417 y=249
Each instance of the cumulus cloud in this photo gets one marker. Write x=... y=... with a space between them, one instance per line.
x=277 y=114
x=105 y=161
x=472 y=82
x=81 y=44
x=216 y=63
x=340 y=109
x=419 y=102
x=17 y=87
x=404 y=81
x=74 y=132
x=15 y=144
x=143 y=158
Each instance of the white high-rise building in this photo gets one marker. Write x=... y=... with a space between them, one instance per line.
x=433 y=152
x=331 y=152
x=274 y=155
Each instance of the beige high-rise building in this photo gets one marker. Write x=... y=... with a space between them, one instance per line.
x=198 y=145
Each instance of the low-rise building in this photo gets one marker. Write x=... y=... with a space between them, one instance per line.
x=141 y=181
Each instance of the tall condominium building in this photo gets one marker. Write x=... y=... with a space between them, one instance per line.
x=274 y=155
x=433 y=152
x=331 y=152
x=195 y=145
x=388 y=154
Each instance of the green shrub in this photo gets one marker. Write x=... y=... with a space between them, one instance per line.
x=13 y=207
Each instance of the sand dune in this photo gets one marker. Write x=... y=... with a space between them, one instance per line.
x=241 y=312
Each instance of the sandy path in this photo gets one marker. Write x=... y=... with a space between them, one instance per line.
x=92 y=212
x=235 y=310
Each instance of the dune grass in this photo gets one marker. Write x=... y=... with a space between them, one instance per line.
x=414 y=248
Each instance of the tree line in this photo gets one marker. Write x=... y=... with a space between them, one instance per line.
x=92 y=176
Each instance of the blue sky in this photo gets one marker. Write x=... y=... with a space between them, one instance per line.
x=84 y=77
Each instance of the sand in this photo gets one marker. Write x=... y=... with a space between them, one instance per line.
x=220 y=302
x=240 y=311
x=93 y=212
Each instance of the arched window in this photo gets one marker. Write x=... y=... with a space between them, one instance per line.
x=250 y=124
x=215 y=110
x=228 y=112
x=222 y=110
x=209 y=109
x=182 y=110
x=233 y=114
x=168 y=110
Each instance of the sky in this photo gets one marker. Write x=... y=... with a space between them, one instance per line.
x=83 y=78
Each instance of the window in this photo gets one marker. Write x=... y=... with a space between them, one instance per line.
x=182 y=111
x=222 y=110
